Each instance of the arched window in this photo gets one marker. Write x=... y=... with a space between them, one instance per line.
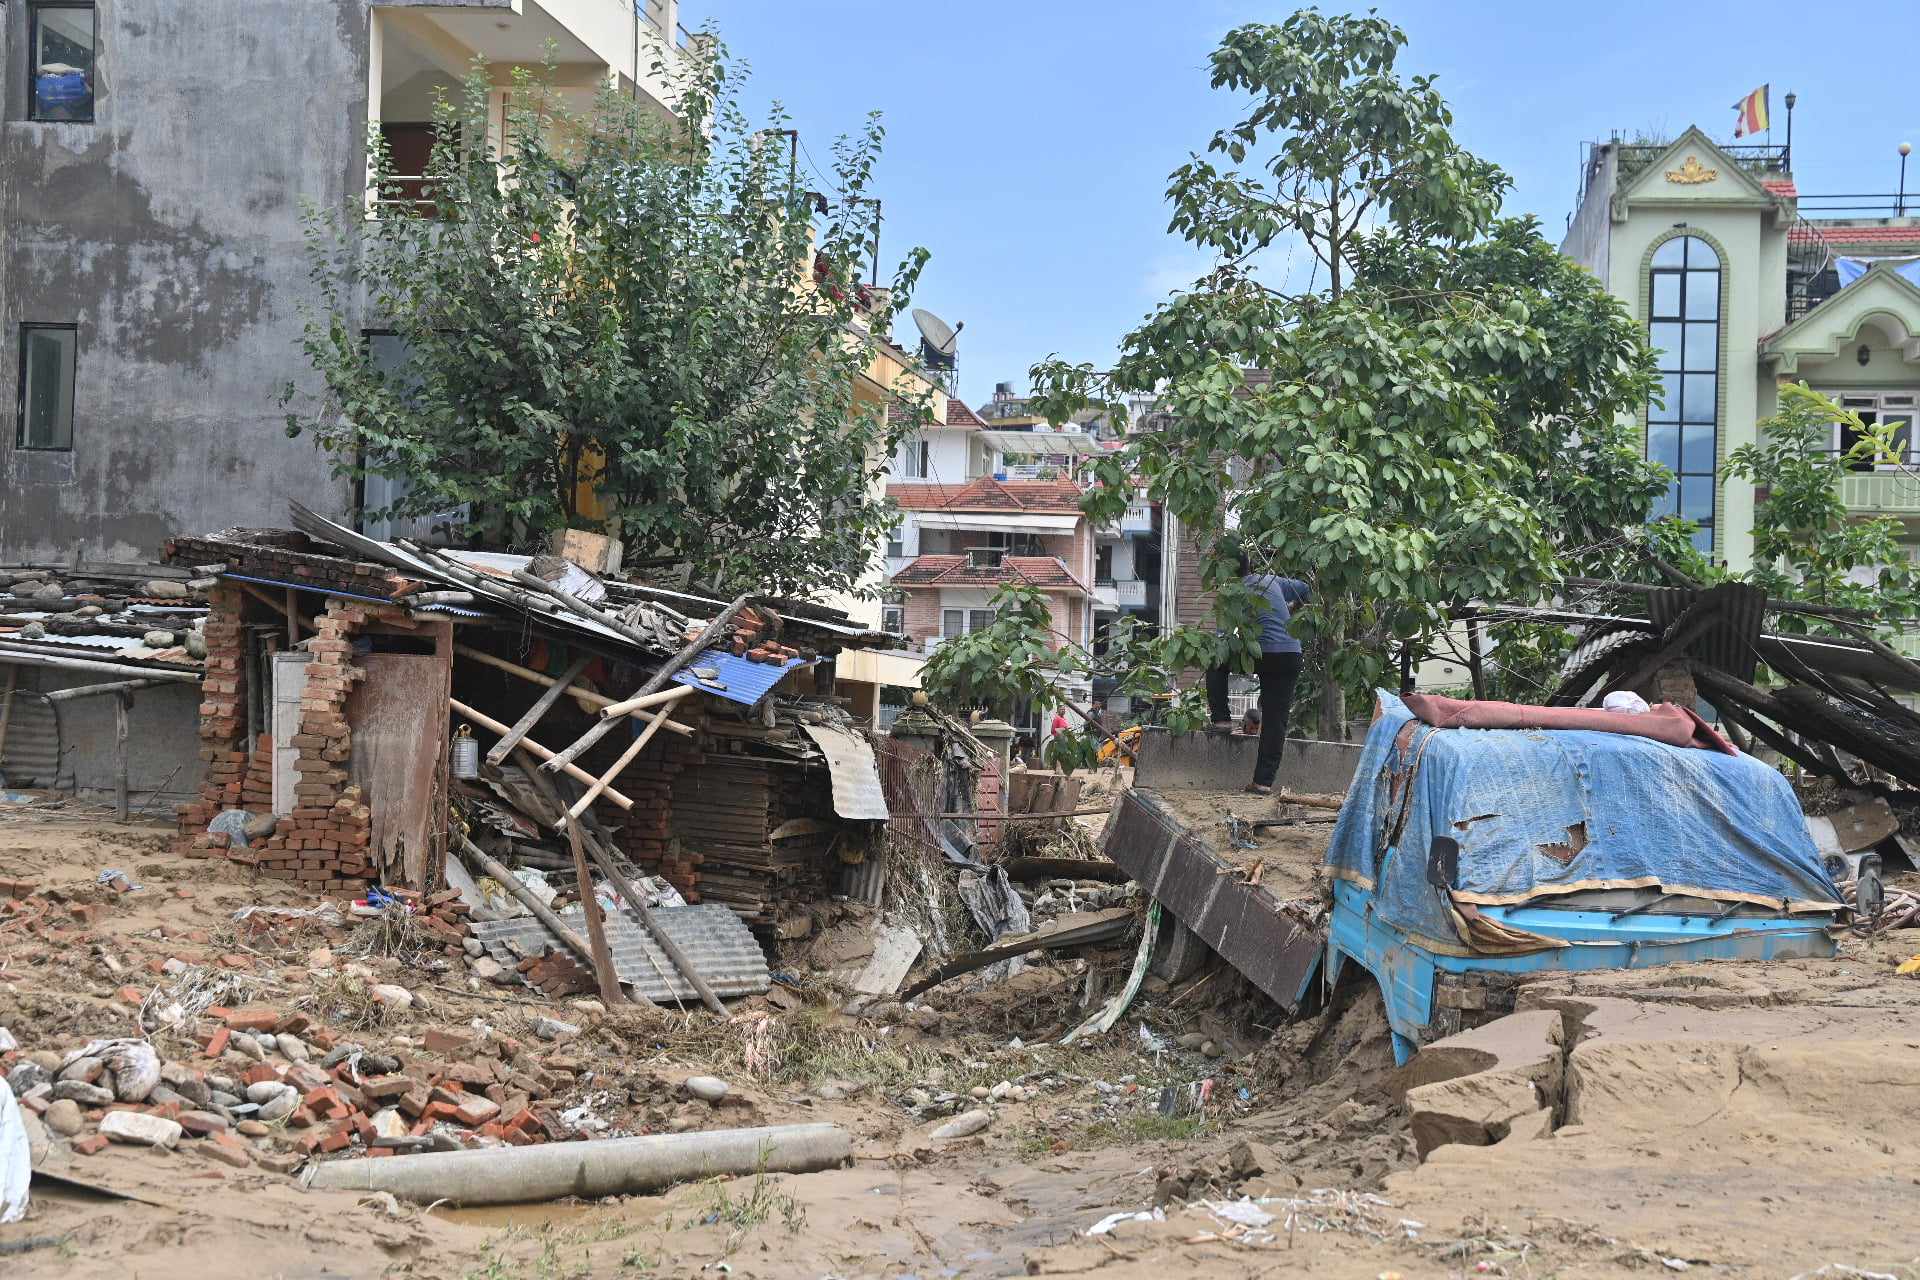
x=1683 y=326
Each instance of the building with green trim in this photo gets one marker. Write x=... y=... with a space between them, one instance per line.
x=1738 y=278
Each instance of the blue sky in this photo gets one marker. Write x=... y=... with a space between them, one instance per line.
x=1028 y=143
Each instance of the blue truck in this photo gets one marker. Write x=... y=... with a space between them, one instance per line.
x=1466 y=859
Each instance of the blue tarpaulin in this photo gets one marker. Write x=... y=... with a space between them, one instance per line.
x=1542 y=812
x=1851 y=269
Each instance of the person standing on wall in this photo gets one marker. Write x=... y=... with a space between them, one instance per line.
x=1278 y=671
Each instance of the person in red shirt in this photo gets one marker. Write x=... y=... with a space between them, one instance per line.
x=1059 y=724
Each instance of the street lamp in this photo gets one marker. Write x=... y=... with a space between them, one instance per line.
x=1900 y=209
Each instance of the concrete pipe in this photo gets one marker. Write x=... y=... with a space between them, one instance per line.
x=609 y=1167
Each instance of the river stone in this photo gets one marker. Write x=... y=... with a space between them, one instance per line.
x=706 y=1088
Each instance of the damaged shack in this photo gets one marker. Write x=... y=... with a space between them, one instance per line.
x=573 y=774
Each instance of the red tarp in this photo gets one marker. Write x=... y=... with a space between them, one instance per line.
x=1666 y=722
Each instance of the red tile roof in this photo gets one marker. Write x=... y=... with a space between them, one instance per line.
x=988 y=494
x=958 y=415
x=1045 y=572
x=1843 y=237
x=1781 y=187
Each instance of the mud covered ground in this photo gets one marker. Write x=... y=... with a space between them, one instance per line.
x=1732 y=1119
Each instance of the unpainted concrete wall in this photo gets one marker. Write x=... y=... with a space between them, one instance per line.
x=163 y=738
x=169 y=231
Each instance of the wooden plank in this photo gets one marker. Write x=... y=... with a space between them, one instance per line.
x=543 y=704
x=399 y=732
x=603 y=972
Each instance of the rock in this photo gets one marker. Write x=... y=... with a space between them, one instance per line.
x=46 y=1059
x=27 y=1074
x=837 y=1090
x=165 y=589
x=964 y=1125
x=7 y=1043
x=389 y=1123
x=138 y=1129
x=1211 y=1049
x=486 y=968
x=52 y=591
x=588 y=1007
x=279 y=1108
x=76 y=1091
x=266 y=1091
x=705 y=1088
x=554 y=1029
x=248 y=1047
x=252 y=1129
x=918 y=1097
x=32 y=631
x=196 y=645
x=203 y=1124
x=473 y=947
x=924 y=1019
x=320 y=958
x=1191 y=1040
x=39 y=1141
x=88 y=611
x=64 y=1118
x=189 y=1085
x=293 y=1049
x=266 y=1040
x=378 y=1064
x=391 y=996
x=157 y=639
x=1000 y=1090
x=980 y=1093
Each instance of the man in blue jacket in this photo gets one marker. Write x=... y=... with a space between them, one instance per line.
x=1279 y=671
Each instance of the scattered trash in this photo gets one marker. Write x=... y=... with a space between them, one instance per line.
x=1112 y=1220
x=118 y=881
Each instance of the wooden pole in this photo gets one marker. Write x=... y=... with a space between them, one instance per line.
x=541 y=911
x=524 y=725
x=97 y=690
x=632 y=705
x=488 y=722
x=655 y=682
x=6 y=705
x=626 y=758
x=547 y=792
x=591 y=700
x=603 y=972
x=681 y=960
x=120 y=704
x=293 y=618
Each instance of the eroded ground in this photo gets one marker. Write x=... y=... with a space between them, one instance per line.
x=1741 y=1120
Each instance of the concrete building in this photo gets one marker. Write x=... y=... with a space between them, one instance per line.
x=1745 y=283
x=155 y=161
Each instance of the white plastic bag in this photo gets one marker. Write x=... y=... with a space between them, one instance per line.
x=16 y=1162
x=1625 y=700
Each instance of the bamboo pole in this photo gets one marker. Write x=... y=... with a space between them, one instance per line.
x=626 y=758
x=524 y=725
x=632 y=705
x=488 y=722
x=541 y=911
x=654 y=682
x=590 y=700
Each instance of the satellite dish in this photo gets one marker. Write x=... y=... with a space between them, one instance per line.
x=937 y=338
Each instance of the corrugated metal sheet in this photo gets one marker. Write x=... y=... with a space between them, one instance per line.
x=746 y=682
x=713 y=937
x=856 y=777
x=31 y=755
x=115 y=643
x=1731 y=644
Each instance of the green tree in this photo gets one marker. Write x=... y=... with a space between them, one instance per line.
x=1440 y=423
x=1807 y=547
x=619 y=321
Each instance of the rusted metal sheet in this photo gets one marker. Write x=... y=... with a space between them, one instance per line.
x=1274 y=948
x=398 y=714
x=855 y=774
x=1729 y=645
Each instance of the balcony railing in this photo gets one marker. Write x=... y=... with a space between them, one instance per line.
x=1120 y=593
x=1890 y=492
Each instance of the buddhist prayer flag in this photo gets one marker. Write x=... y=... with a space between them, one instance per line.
x=1753 y=113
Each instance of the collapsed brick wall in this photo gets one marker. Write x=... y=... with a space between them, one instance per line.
x=323 y=841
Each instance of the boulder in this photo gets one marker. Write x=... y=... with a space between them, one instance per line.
x=705 y=1088
x=138 y=1129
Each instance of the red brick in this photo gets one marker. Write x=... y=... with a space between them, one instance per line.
x=259 y=1073
x=129 y=995
x=253 y=1018
x=477 y=1111
x=92 y=1146
x=217 y=1042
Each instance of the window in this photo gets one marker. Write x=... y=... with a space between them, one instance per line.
x=1895 y=409
x=60 y=47
x=915 y=458
x=893 y=619
x=1683 y=326
x=896 y=547
x=955 y=623
x=46 y=386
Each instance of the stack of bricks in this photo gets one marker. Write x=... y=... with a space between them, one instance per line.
x=323 y=842
x=645 y=837
x=222 y=724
